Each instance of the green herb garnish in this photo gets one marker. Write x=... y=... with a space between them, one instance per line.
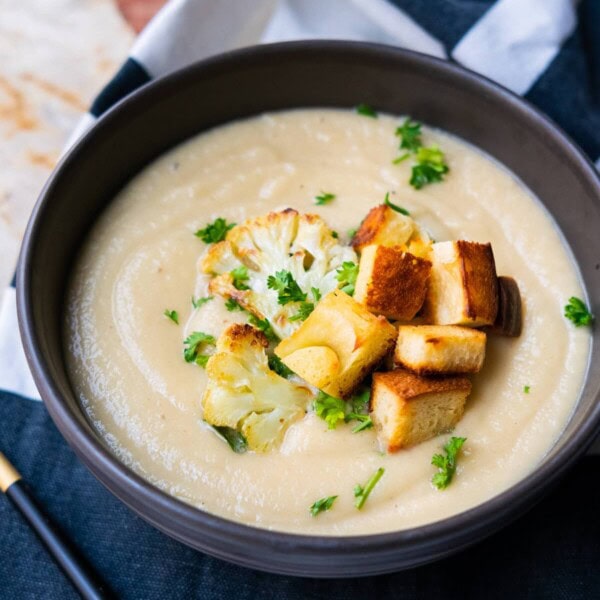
x=324 y=198
x=360 y=411
x=232 y=304
x=430 y=167
x=304 y=311
x=395 y=207
x=240 y=275
x=362 y=493
x=331 y=409
x=335 y=235
x=237 y=442
x=410 y=135
x=316 y=292
x=352 y=232
x=214 y=232
x=322 y=505
x=578 y=312
x=265 y=326
x=277 y=365
x=446 y=464
x=198 y=302
x=173 y=315
x=366 y=111
x=526 y=389
x=193 y=344
x=347 y=275
x=286 y=287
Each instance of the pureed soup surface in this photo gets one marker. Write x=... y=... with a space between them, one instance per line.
x=125 y=357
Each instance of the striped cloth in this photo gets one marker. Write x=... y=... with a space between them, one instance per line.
x=545 y=50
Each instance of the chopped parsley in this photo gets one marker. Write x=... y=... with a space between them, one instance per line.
x=232 y=304
x=316 y=292
x=360 y=411
x=286 y=287
x=214 y=232
x=526 y=389
x=330 y=409
x=263 y=325
x=194 y=344
x=240 y=275
x=237 y=442
x=277 y=365
x=322 y=505
x=431 y=167
x=362 y=493
x=198 y=302
x=173 y=315
x=430 y=161
x=335 y=235
x=324 y=198
x=304 y=311
x=366 y=111
x=395 y=207
x=578 y=312
x=352 y=232
x=446 y=464
x=347 y=275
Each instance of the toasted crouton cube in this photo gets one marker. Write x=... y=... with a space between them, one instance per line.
x=463 y=287
x=391 y=282
x=440 y=349
x=338 y=344
x=383 y=226
x=509 y=320
x=408 y=409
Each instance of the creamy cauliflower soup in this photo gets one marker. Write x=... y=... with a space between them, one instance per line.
x=129 y=311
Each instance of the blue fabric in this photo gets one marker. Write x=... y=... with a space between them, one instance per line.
x=553 y=552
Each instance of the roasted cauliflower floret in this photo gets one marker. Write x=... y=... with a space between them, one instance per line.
x=259 y=248
x=244 y=394
x=338 y=345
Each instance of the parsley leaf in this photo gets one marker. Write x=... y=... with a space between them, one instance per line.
x=198 y=302
x=316 y=292
x=330 y=409
x=173 y=315
x=264 y=326
x=362 y=493
x=286 y=286
x=303 y=311
x=366 y=111
x=430 y=167
x=578 y=312
x=395 y=207
x=410 y=135
x=446 y=464
x=335 y=235
x=352 y=232
x=324 y=198
x=214 y=232
x=360 y=411
x=277 y=365
x=193 y=344
x=347 y=275
x=527 y=389
x=232 y=304
x=322 y=505
x=240 y=275
x=237 y=442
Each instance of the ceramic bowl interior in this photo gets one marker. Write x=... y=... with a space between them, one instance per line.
x=268 y=78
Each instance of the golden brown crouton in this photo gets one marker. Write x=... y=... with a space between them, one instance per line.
x=509 y=320
x=391 y=282
x=337 y=345
x=383 y=226
x=408 y=409
x=440 y=349
x=463 y=288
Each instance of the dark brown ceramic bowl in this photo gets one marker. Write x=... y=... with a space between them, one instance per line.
x=267 y=78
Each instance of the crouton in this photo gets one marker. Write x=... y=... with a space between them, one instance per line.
x=509 y=320
x=440 y=349
x=408 y=409
x=463 y=287
x=338 y=344
x=391 y=282
x=383 y=226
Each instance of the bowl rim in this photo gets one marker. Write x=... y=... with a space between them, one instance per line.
x=487 y=516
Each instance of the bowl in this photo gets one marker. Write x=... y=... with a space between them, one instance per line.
x=269 y=78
